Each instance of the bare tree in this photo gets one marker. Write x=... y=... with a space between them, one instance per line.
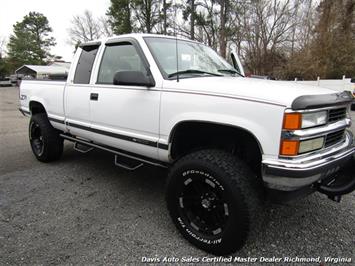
x=283 y=38
x=207 y=22
x=85 y=28
x=147 y=14
x=332 y=48
x=192 y=19
x=224 y=12
x=165 y=23
x=105 y=27
x=268 y=28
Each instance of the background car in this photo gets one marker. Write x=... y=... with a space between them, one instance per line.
x=5 y=82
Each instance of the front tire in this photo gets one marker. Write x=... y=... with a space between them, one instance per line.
x=45 y=141
x=212 y=201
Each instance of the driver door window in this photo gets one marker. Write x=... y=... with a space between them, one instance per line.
x=118 y=57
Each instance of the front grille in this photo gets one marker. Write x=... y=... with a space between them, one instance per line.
x=336 y=114
x=334 y=138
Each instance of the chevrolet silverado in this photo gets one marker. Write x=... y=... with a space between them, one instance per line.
x=229 y=142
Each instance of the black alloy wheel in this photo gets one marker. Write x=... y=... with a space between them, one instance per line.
x=36 y=138
x=212 y=200
x=203 y=205
x=46 y=143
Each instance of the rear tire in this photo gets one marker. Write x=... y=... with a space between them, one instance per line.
x=212 y=200
x=45 y=141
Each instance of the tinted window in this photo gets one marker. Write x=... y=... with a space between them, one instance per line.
x=118 y=57
x=85 y=63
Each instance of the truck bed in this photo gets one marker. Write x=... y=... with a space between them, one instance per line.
x=50 y=92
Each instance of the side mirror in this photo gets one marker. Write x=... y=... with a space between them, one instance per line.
x=133 y=78
x=237 y=64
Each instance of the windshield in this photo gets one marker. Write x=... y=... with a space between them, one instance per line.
x=194 y=59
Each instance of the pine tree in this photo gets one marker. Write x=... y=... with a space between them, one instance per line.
x=119 y=16
x=30 y=42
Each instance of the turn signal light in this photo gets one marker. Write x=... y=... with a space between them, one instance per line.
x=292 y=121
x=289 y=147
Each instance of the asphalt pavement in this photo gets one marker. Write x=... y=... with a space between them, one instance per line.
x=84 y=210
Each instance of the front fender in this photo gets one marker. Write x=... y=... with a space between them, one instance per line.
x=263 y=121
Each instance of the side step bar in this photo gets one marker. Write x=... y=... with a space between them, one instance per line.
x=82 y=147
x=125 y=165
x=117 y=153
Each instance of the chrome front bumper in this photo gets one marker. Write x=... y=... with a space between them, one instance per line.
x=290 y=175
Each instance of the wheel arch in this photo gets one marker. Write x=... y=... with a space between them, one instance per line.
x=176 y=126
x=186 y=137
x=36 y=107
x=236 y=128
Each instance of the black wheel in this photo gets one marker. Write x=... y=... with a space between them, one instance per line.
x=45 y=141
x=212 y=200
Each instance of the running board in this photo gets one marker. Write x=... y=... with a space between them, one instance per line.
x=79 y=149
x=117 y=152
x=125 y=165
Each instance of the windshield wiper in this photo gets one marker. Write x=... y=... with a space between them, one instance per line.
x=192 y=71
x=231 y=71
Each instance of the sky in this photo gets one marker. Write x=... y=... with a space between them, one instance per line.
x=59 y=14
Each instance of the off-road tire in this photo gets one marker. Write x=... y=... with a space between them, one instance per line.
x=231 y=178
x=52 y=148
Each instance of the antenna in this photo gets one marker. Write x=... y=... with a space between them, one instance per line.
x=176 y=48
x=177 y=59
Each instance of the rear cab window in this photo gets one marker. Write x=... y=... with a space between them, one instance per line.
x=85 y=63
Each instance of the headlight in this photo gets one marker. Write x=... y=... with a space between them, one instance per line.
x=314 y=119
x=311 y=145
x=295 y=147
x=294 y=121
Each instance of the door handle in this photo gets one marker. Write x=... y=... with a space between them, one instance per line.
x=94 y=96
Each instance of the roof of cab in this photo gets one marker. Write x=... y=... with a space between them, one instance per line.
x=132 y=35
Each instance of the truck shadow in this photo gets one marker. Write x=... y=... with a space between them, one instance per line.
x=311 y=220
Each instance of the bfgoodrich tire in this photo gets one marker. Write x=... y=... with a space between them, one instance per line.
x=45 y=141
x=212 y=201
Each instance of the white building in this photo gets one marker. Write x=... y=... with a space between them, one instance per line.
x=56 y=70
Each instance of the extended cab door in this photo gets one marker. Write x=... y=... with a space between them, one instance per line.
x=123 y=116
x=78 y=92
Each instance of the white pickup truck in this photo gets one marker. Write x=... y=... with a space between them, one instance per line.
x=229 y=141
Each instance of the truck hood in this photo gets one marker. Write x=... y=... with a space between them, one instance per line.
x=268 y=91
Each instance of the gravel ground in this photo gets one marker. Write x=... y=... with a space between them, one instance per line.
x=84 y=210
